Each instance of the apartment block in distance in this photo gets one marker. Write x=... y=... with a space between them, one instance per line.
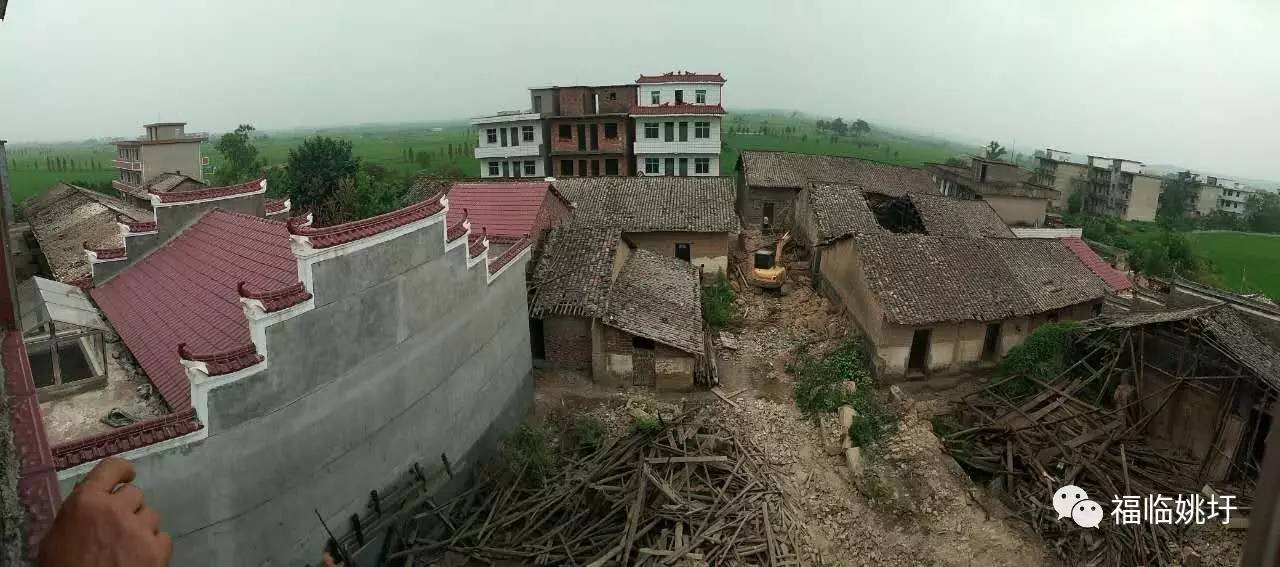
x=1222 y=194
x=166 y=148
x=511 y=144
x=1118 y=188
x=677 y=124
x=588 y=127
x=1060 y=170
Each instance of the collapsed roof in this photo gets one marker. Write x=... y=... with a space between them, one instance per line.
x=840 y=209
x=66 y=218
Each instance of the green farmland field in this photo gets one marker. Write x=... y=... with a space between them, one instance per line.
x=1244 y=261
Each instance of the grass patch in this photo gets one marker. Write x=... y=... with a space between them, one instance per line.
x=843 y=377
x=1242 y=261
x=718 y=307
x=1041 y=356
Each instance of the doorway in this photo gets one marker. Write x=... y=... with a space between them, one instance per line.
x=919 y=357
x=535 y=339
x=991 y=343
x=643 y=371
x=683 y=252
x=684 y=167
x=767 y=215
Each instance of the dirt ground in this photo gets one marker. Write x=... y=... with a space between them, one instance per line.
x=913 y=506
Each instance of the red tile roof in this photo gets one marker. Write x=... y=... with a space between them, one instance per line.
x=186 y=291
x=509 y=254
x=278 y=299
x=37 y=479
x=212 y=192
x=678 y=77
x=476 y=246
x=456 y=229
x=328 y=236
x=1115 y=279
x=276 y=206
x=503 y=209
x=105 y=253
x=126 y=438
x=678 y=109
x=137 y=226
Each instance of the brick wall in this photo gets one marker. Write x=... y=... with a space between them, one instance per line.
x=553 y=212
x=755 y=200
x=604 y=145
x=709 y=250
x=665 y=367
x=581 y=101
x=567 y=341
x=592 y=163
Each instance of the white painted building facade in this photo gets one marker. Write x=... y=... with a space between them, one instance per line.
x=677 y=124
x=511 y=144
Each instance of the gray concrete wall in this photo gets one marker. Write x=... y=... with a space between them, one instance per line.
x=171 y=221
x=181 y=158
x=407 y=355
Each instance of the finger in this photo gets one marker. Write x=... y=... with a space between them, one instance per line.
x=150 y=519
x=109 y=473
x=129 y=497
x=165 y=544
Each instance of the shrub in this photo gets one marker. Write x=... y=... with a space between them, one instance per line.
x=718 y=308
x=647 y=425
x=818 y=382
x=1042 y=356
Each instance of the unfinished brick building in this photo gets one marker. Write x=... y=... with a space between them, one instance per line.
x=588 y=128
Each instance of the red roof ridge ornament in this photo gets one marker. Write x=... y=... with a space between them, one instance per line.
x=497 y=264
x=460 y=228
x=103 y=254
x=224 y=361
x=135 y=227
x=133 y=436
x=276 y=299
x=209 y=194
x=329 y=236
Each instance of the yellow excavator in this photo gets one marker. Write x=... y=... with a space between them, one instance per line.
x=766 y=270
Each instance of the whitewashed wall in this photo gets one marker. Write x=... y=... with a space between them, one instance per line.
x=484 y=149
x=645 y=145
x=668 y=93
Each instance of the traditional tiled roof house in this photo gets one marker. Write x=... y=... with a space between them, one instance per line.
x=1009 y=189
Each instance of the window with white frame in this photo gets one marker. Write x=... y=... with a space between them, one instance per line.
x=701 y=129
x=526 y=133
x=702 y=165
x=491 y=135
x=652 y=166
x=651 y=130
x=655 y=96
x=493 y=169
x=700 y=96
x=530 y=169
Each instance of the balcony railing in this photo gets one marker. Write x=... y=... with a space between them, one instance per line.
x=130 y=164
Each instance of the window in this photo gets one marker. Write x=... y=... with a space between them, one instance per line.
x=701 y=129
x=504 y=136
x=684 y=131
x=669 y=166
x=515 y=168
x=530 y=169
x=651 y=166
x=613 y=95
x=682 y=251
x=700 y=96
x=515 y=136
x=506 y=169
x=610 y=130
x=526 y=133
x=537 y=103
x=493 y=169
x=679 y=96
x=651 y=130
x=491 y=135
x=566 y=132
x=642 y=343
x=566 y=167
x=669 y=131
x=595 y=168
x=702 y=165
x=982 y=173
x=610 y=167
x=654 y=97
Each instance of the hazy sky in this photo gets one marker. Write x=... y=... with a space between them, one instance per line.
x=1196 y=84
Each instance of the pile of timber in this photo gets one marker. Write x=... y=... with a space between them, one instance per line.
x=692 y=493
x=1080 y=429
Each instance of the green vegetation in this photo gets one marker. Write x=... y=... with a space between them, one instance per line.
x=241 y=157
x=718 y=308
x=539 y=451
x=1242 y=261
x=647 y=425
x=993 y=150
x=1042 y=356
x=796 y=132
x=34 y=168
x=843 y=377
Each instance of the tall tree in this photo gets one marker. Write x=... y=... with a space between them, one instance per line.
x=1262 y=212
x=239 y=155
x=994 y=150
x=1176 y=195
x=860 y=127
x=839 y=127
x=315 y=168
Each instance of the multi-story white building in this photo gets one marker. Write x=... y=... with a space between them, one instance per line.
x=677 y=124
x=511 y=144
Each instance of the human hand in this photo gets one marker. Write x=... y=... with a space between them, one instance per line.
x=105 y=523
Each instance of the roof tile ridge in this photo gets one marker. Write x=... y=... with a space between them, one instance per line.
x=510 y=253
x=324 y=237
x=211 y=192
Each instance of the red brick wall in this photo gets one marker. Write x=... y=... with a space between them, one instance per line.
x=557 y=170
x=567 y=341
x=617 y=144
x=553 y=212
x=581 y=101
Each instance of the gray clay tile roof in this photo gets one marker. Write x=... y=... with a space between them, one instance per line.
x=945 y=216
x=1023 y=188
x=165 y=183
x=789 y=170
x=650 y=204
x=840 y=209
x=921 y=279
x=66 y=217
x=657 y=297
x=574 y=274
